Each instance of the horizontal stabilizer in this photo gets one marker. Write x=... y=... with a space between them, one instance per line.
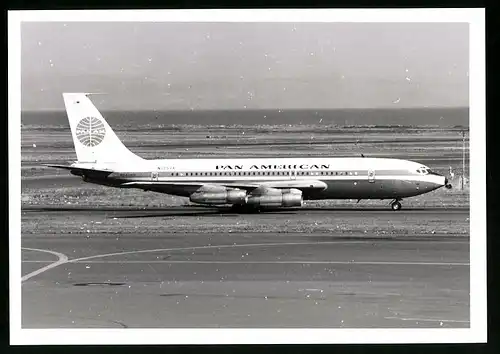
x=81 y=171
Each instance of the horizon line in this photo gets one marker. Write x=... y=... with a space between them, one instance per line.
x=251 y=109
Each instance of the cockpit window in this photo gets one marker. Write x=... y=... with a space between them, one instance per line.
x=423 y=170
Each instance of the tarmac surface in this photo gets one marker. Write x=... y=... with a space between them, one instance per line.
x=244 y=279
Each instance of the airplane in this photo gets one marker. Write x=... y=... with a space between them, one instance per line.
x=243 y=184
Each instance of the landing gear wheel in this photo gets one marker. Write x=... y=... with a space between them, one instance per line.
x=396 y=206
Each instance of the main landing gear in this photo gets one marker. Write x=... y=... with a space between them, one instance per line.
x=396 y=205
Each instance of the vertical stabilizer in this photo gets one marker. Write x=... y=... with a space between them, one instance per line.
x=94 y=139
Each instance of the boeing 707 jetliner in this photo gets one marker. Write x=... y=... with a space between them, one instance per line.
x=252 y=183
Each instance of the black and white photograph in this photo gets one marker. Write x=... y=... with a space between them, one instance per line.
x=247 y=176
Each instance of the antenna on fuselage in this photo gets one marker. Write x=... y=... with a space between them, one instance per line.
x=357 y=141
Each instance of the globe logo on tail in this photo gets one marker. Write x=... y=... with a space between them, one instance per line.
x=90 y=131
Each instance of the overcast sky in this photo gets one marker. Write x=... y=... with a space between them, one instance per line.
x=246 y=65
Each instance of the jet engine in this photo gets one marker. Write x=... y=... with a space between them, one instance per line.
x=277 y=198
x=219 y=196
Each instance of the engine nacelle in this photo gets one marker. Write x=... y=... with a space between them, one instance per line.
x=281 y=198
x=230 y=196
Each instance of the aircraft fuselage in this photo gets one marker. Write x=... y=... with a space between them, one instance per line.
x=318 y=178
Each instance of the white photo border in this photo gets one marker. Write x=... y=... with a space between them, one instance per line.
x=478 y=306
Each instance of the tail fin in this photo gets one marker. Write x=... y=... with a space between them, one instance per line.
x=94 y=139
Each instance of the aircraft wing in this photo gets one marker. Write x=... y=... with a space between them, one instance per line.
x=101 y=171
x=298 y=184
x=248 y=186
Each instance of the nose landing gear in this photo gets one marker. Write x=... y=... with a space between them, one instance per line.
x=396 y=205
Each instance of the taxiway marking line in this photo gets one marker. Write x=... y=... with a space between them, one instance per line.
x=262 y=262
x=62 y=259
x=272 y=262
x=212 y=247
x=426 y=319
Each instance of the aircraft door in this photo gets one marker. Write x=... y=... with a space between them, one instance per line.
x=293 y=175
x=371 y=176
x=154 y=176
